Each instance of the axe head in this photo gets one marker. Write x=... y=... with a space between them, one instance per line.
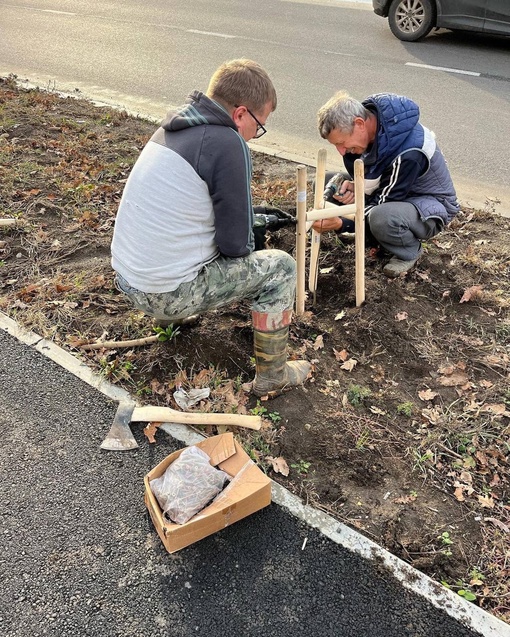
x=119 y=437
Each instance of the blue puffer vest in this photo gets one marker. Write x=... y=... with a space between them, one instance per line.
x=399 y=131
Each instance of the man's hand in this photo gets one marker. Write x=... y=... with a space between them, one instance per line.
x=324 y=225
x=266 y=218
x=345 y=194
x=274 y=217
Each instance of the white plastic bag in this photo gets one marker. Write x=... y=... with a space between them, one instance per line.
x=188 y=485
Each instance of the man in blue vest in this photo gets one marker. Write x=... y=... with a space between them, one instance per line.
x=409 y=192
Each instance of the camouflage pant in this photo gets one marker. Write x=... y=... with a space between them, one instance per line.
x=266 y=277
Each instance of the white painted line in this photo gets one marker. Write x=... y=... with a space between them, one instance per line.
x=52 y=11
x=463 y=611
x=217 y=35
x=443 y=68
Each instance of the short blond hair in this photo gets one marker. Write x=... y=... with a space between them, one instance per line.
x=242 y=82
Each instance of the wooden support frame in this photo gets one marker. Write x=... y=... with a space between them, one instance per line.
x=305 y=220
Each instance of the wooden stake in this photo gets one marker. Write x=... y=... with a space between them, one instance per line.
x=300 y=238
x=359 y=237
x=320 y=178
x=348 y=211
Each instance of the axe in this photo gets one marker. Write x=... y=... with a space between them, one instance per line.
x=120 y=438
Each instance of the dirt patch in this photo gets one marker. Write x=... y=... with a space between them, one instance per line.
x=403 y=430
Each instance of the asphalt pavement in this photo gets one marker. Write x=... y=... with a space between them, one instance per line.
x=80 y=556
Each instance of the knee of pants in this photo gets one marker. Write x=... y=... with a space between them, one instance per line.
x=378 y=222
x=283 y=262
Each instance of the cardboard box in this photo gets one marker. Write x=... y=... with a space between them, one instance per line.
x=248 y=491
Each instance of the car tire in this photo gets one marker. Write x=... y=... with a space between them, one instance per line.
x=411 y=20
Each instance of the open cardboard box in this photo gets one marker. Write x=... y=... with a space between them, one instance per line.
x=248 y=491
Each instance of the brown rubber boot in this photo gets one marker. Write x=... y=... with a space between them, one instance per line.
x=273 y=371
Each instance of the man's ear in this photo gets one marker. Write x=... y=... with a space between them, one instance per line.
x=359 y=124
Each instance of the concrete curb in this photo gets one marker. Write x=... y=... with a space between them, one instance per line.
x=466 y=613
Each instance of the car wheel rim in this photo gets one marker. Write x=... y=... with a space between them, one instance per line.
x=410 y=16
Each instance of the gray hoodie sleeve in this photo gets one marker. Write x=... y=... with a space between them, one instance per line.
x=225 y=165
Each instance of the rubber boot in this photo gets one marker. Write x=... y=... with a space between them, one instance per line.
x=273 y=372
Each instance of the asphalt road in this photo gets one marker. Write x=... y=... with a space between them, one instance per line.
x=149 y=55
x=80 y=557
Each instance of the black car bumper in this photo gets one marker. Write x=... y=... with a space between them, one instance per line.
x=381 y=7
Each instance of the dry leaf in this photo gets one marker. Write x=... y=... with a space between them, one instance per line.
x=349 y=365
x=499 y=409
x=434 y=416
x=471 y=293
x=319 y=343
x=454 y=380
x=486 y=501
x=459 y=494
x=376 y=410
x=401 y=316
x=427 y=394
x=150 y=431
x=279 y=465
x=341 y=356
x=340 y=315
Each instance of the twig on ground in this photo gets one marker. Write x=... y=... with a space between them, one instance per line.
x=147 y=340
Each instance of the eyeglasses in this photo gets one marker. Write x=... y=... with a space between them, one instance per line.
x=260 y=129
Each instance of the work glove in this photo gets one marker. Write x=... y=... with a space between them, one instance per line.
x=267 y=218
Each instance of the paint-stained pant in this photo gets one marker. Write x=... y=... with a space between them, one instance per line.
x=266 y=277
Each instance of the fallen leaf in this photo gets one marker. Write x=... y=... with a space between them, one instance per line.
x=376 y=410
x=427 y=394
x=459 y=494
x=349 y=365
x=319 y=342
x=341 y=356
x=150 y=431
x=486 y=501
x=471 y=293
x=326 y=270
x=454 y=380
x=497 y=361
x=434 y=416
x=499 y=409
x=340 y=315
x=279 y=465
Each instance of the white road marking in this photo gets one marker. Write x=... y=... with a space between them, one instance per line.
x=217 y=35
x=52 y=11
x=443 y=68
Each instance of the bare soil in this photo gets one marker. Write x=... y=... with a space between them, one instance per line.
x=403 y=430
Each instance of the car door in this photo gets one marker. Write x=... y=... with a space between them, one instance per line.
x=497 y=17
x=461 y=14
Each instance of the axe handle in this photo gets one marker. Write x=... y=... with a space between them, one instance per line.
x=153 y=413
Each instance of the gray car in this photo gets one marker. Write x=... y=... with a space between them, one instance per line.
x=412 y=20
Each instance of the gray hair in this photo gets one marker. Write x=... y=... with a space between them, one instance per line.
x=339 y=113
